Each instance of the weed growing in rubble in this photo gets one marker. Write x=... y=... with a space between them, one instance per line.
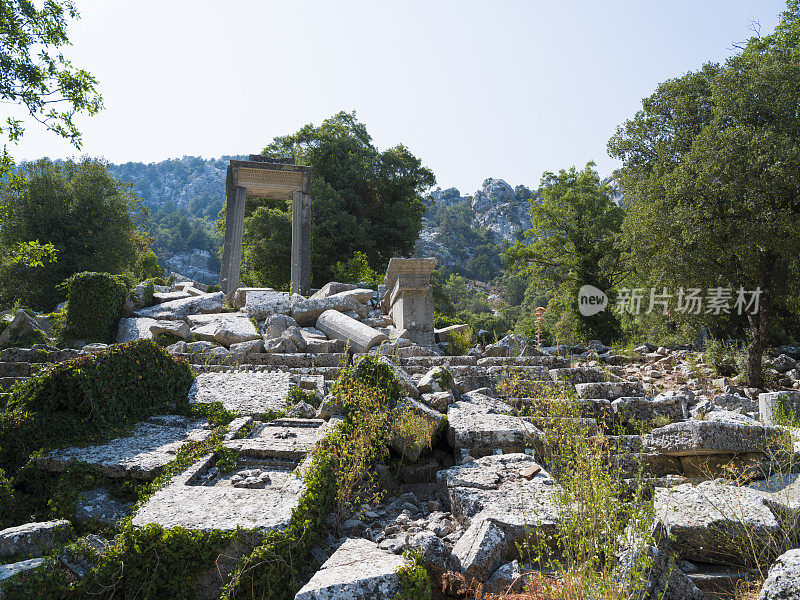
x=413 y=578
x=604 y=508
x=411 y=431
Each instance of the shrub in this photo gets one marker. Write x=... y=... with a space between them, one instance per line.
x=97 y=395
x=722 y=357
x=94 y=306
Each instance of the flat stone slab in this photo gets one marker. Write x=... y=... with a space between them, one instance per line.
x=282 y=438
x=202 y=498
x=715 y=521
x=142 y=455
x=9 y=570
x=496 y=487
x=180 y=309
x=480 y=426
x=712 y=437
x=33 y=538
x=262 y=304
x=243 y=392
x=358 y=570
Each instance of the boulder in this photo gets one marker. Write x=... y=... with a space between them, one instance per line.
x=358 y=570
x=275 y=325
x=439 y=400
x=295 y=334
x=436 y=556
x=507 y=579
x=180 y=309
x=783 y=579
x=783 y=363
x=481 y=425
x=280 y=346
x=262 y=304
x=21 y=325
x=481 y=549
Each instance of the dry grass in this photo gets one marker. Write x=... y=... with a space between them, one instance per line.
x=533 y=585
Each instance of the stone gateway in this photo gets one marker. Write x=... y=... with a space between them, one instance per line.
x=272 y=178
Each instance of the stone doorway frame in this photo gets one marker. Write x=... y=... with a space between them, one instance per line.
x=275 y=179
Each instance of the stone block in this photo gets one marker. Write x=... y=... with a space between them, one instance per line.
x=481 y=549
x=495 y=487
x=306 y=312
x=360 y=337
x=331 y=288
x=176 y=328
x=358 y=570
x=132 y=328
x=236 y=331
x=180 y=309
x=33 y=539
x=610 y=390
x=776 y=406
x=783 y=579
x=275 y=325
x=243 y=392
x=420 y=430
x=260 y=305
x=713 y=437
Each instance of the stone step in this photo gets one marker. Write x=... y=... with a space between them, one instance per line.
x=579 y=375
x=717 y=581
x=15 y=369
x=434 y=361
x=329 y=373
x=610 y=390
x=6 y=383
x=30 y=355
x=551 y=362
x=298 y=360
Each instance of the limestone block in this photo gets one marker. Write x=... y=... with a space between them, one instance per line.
x=776 y=405
x=247 y=348
x=260 y=305
x=236 y=331
x=243 y=392
x=358 y=570
x=133 y=328
x=363 y=295
x=610 y=390
x=507 y=579
x=575 y=375
x=712 y=437
x=341 y=327
x=495 y=487
x=177 y=328
x=33 y=539
x=280 y=345
x=180 y=309
x=663 y=578
x=716 y=521
x=306 y=312
x=637 y=408
x=436 y=556
x=481 y=425
x=512 y=345
x=331 y=288
x=408 y=383
x=295 y=334
x=275 y=325
x=162 y=297
x=9 y=570
x=481 y=549
x=783 y=579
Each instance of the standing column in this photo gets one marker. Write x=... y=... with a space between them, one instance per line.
x=232 y=248
x=301 y=243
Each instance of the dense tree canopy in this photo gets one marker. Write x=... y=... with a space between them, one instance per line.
x=363 y=199
x=573 y=242
x=89 y=217
x=35 y=74
x=712 y=177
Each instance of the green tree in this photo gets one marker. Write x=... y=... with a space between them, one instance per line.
x=362 y=199
x=36 y=75
x=265 y=256
x=573 y=242
x=89 y=217
x=711 y=177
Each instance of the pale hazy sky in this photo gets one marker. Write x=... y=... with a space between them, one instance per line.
x=476 y=89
